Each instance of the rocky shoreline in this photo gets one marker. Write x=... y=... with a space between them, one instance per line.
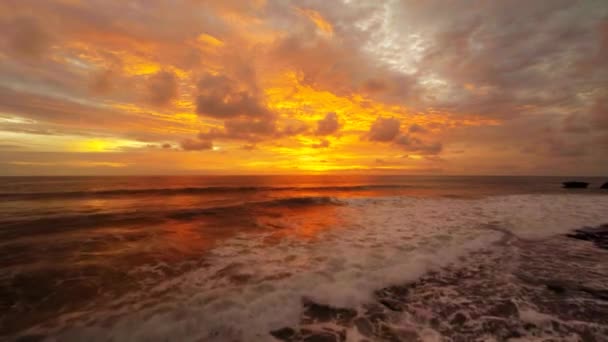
x=551 y=289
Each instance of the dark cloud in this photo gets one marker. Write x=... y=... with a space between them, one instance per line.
x=250 y=128
x=415 y=128
x=70 y=115
x=162 y=88
x=416 y=145
x=599 y=113
x=247 y=129
x=27 y=37
x=559 y=147
x=221 y=97
x=294 y=127
x=374 y=86
x=384 y=129
x=328 y=125
x=575 y=123
x=196 y=144
x=101 y=82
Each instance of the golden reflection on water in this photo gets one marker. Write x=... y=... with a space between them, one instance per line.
x=301 y=223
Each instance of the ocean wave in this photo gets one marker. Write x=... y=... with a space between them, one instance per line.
x=189 y=191
x=242 y=211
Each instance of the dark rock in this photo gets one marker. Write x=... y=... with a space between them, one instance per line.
x=314 y=312
x=376 y=314
x=408 y=335
x=557 y=288
x=386 y=333
x=604 y=186
x=575 y=185
x=505 y=309
x=364 y=326
x=513 y=334
x=597 y=293
x=393 y=297
x=30 y=338
x=392 y=305
x=321 y=337
x=459 y=319
x=598 y=235
x=284 y=334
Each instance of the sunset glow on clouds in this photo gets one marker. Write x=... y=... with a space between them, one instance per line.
x=234 y=87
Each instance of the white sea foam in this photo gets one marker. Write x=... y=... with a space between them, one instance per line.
x=251 y=286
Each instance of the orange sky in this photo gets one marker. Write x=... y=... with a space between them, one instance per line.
x=256 y=87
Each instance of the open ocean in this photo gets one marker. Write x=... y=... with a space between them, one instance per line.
x=300 y=258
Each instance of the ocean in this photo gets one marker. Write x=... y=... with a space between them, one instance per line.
x=300 y=258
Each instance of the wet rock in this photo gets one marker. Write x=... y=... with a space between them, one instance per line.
x=385 y=333
x=394 y=297
x=392 y=304
x=497 y=327
x=557 y=288
x=459 y=319
x=376 y=314
x=505 y=309
x=315 y=313
x=309 y=335
x=597 y=293
x=322 y=337
x=409 y=335
x=364 y=326
x=575 y=185
x=30 y=338
x=597 y=235
x=284 y=334
x=513 y=334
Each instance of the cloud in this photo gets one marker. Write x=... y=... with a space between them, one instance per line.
x=415 y=128
x=490 y=80
x=599 y=113
x=195 y=144
x=162 y=88
x=328 y=125
x=384 y=129
x=318 y=20
x=28 y=38
x=374 y=86
x=101 y=82
x=323 y=143
x=559 y=147
x=293 y=127
x=221 y=97
x=416 y=145
x=249 y=129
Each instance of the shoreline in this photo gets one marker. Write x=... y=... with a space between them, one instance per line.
x=523 y=299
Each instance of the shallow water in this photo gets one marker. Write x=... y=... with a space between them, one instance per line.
x=237 y=258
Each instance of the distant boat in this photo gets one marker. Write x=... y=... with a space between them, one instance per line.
x=575 y=185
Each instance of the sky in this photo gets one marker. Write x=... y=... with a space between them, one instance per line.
x=473 y=87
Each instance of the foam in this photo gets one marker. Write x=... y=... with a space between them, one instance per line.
x=251 y=287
